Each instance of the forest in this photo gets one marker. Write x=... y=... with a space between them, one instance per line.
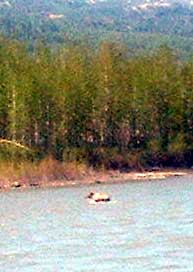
x=101 y=107
x=64 y=22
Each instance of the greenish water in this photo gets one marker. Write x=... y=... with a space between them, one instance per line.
x=148 y=226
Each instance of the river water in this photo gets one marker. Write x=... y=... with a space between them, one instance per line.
x=148 y=226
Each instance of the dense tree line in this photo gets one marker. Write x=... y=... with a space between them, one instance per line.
x=100 y=107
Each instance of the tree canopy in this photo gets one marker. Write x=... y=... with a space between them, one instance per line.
x=98 y=106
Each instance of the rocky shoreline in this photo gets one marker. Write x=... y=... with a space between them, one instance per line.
x=97 y=177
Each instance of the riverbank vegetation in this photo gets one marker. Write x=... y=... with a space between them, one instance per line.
x=100 y=108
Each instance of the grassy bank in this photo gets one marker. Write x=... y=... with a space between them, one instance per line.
x=52 y=173
x=39 y=173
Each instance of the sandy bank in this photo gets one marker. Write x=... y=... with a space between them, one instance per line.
x=100 y=177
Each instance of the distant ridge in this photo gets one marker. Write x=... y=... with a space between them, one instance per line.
x=63 y=21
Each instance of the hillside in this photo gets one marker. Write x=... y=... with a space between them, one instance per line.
x=142 y=25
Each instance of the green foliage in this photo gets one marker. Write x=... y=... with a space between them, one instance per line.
x=9 y=151
x=142 y=30
x=178 y=145
x=98 y=106
x=75 y=155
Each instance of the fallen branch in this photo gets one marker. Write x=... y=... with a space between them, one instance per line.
x=5 y=141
